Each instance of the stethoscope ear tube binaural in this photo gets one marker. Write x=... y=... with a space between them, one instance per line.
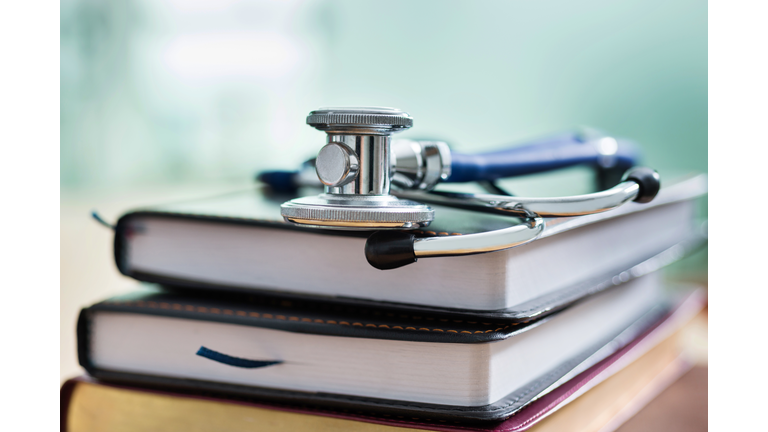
x=386 y=250
x=640 y=184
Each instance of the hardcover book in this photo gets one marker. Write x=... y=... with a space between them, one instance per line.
x=376 y=359
x=600 y=397
x=240 y=242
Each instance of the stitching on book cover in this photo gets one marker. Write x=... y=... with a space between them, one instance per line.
x=203 y=309
x=360 y=310
x=290 y=304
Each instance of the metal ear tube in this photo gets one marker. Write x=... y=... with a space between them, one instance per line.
x=390 y=250
x=360 y=163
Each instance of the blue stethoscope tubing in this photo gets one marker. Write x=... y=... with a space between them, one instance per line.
x=547 y=154
x=560 y=151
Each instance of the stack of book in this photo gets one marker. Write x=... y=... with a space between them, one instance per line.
x=245 y=322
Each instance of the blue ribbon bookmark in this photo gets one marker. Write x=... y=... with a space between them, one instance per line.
x=234 y=361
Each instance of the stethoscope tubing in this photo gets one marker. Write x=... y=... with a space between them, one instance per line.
x=576 y=205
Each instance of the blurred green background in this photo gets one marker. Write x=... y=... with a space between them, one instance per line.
x=177 y=99
x=177 y=90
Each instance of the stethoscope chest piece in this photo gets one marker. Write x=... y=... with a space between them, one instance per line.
x=355 y=167
x=360 y=162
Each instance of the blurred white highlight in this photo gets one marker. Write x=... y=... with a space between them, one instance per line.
x=252 y=54
x=607 y=146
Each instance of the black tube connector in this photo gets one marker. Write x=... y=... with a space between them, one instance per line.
x=649 y=182
x=388 y=250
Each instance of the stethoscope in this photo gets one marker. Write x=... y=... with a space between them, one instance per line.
x=372 y=182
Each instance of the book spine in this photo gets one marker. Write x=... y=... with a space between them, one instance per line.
x=120 y=245
x=84 y=340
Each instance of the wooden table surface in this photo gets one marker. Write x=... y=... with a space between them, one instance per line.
x=682 y=407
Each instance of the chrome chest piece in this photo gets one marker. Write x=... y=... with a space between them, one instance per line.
x=356 y=169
